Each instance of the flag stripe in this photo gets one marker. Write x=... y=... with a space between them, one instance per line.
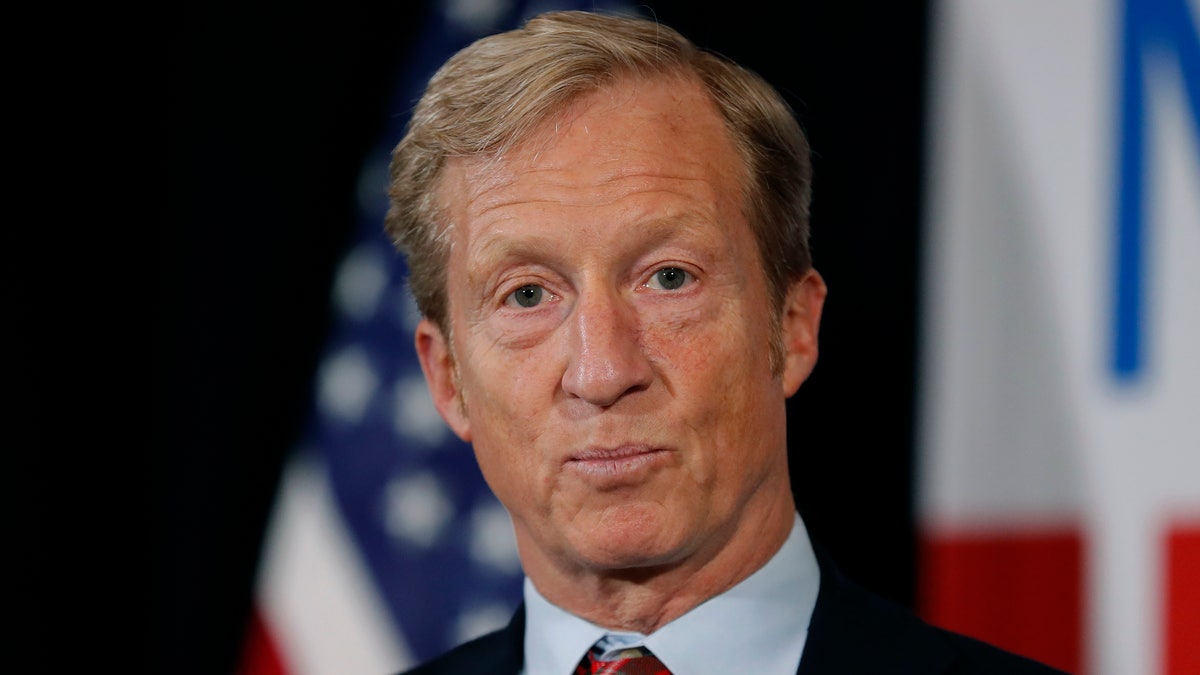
x=260 y=655
x=1183 y=600
x=1020 y=590
x=317 y=598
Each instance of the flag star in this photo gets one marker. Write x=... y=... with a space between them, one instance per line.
x=416 y=508
x=346 y=385
x=475 y=622
x=492 y=542
x=476 y=16
x=415 y=415
x=361 y=280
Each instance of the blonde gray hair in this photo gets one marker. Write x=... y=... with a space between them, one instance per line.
x=495 y=92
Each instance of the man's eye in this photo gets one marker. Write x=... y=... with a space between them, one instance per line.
x=668 y=278
x=526 y=296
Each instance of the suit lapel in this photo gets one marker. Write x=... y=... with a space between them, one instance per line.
x=853 y=631
x=510 y=647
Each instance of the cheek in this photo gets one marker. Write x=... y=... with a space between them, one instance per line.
x=506 y=400
x=507 y=465
x=719 y=374
x=714 y=354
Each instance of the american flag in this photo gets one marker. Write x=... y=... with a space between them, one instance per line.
x=385 y=546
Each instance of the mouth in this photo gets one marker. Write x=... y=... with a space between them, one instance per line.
x=609 y=468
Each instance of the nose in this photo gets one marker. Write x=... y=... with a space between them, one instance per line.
x=607 y=358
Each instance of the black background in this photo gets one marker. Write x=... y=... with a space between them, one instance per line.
x=272 y=109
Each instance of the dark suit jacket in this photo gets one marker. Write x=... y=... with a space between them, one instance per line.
x=852 y=631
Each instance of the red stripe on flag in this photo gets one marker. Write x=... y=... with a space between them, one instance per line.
x=1182 y=604
x=260 y=653
x=1019 y=590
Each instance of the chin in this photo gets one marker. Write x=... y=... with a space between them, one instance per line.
x=626 y=543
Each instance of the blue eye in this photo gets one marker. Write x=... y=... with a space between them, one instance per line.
x=527 y=296
x=669 y=278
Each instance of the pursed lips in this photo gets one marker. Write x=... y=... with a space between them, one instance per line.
x=616 y=466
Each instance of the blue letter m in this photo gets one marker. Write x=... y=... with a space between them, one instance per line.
x=1159 y=27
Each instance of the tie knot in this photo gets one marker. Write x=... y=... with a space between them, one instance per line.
x=632 y=661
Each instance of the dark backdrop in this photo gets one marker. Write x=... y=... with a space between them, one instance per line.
x=272 y=111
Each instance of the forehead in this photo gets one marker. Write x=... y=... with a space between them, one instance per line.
x=664 y=127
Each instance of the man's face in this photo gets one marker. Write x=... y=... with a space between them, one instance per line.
x=611 y=335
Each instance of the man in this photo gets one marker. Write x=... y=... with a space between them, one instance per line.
x=606 y=230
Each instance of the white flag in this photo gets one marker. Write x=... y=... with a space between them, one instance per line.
x=1059 y=481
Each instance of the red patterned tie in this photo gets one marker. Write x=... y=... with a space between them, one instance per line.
x=634 y=661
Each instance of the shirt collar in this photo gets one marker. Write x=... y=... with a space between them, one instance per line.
x=758 y=626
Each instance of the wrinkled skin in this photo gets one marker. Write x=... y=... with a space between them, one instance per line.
x=610 y=354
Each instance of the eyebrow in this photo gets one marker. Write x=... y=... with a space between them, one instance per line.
x=520 y=245
x=496 y=251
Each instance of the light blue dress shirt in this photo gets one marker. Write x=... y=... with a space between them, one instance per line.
x=758 y=626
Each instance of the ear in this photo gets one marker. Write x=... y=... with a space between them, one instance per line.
x=441 y=374
x=800 y=322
